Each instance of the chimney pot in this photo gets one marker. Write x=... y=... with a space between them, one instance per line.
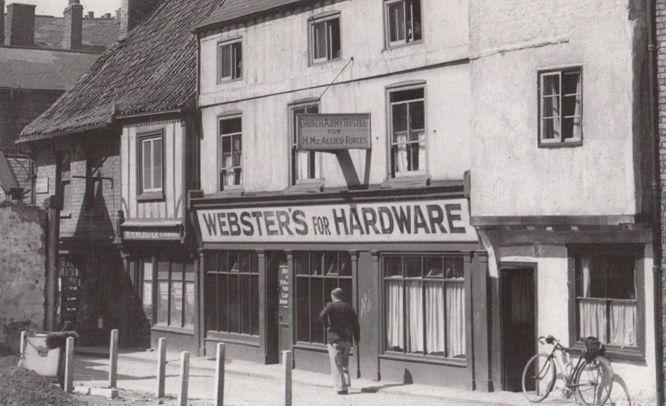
x=21 y=24
x=73 y=26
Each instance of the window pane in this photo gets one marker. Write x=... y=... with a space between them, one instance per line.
x=157 y=164
x=415 y=25
x=396 y=16
x=234 y=305
x=455 y=318
x=211 y=303
x=148 y=299
x=238 y=60
x=593 y=321
x=176 y=304
x=435 y=318
x=416 y=116
x=237 y=149
x=254 y=303
x=623 y=324
x=301 y=263
x=319 y=34
x=230 y=126
x=433 y=267
x=414 y=316
x=162 y=302
x=146 y=165
x=177 y=271
x=334 y=31
x=315 y=263
x=399 y=115
x=188 y=320
x=331 y=263
x=413 y=267
x=223 y=303
x=393 y=266
x=346 y=285
x=406 y=95
x=454 y=268
x=245 y=262
x=550 y=130
x=571 y=83
x=225 y=61
x=551 y=84
x=246 y=300
x=302 y=309
x=345 y=264
x=234 y=265
x=316 y=306
x=394 y=315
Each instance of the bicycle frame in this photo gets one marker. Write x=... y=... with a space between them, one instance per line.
x=568 y=378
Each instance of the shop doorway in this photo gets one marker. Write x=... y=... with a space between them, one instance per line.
x=277 y=281
x=518 y=296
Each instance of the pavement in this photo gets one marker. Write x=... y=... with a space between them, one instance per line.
x=249 y=383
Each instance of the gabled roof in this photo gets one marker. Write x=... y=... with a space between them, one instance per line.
x=238 y=10
x=42 y=69
x=152 y=71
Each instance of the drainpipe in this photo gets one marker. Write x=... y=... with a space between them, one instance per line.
x=656 y=197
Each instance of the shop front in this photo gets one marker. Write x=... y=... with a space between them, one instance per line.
x=406 y=260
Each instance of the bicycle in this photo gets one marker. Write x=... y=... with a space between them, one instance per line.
x=590 y=380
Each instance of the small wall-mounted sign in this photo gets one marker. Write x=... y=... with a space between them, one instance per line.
x=151 y=235
x=42 y=185
x=332 y=132
x=284 y=286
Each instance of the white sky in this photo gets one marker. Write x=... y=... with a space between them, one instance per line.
x=56 y=7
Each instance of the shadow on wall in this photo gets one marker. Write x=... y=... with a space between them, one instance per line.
x=620 y=393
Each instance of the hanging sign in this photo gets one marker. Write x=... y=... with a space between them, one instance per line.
x=332 y=132
x=406 y=221
x=151 y=235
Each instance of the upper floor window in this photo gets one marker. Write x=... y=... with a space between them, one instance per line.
x=230 y=60
x=408 y=136
x=403 y=21
x=306 y=165
x=231 y=152
x=325 y=39
x=560 y=107
x=151 y=154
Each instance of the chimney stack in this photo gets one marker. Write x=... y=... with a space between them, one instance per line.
x=91 y=14
x=73 y=26
x=2 y=22
x=21 y=24
x=134 y=12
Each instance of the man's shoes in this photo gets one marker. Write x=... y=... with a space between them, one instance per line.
x=343 y=392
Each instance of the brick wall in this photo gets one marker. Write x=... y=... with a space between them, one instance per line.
x=661 y=77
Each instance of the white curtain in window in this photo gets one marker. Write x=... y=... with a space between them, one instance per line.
x=401 y=159
x=394 y=307
x=577 y=128
x=623 y=324
x=435 y=317
x=593 y=319
x=455 y=316
x=586 y=276
x=414 y=315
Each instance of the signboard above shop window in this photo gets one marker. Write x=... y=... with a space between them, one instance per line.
x=333 y=132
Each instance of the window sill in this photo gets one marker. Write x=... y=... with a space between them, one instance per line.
x=231 y=192
x=169 y=329
x=426 y=359
x=397 y=46
x=310 y=185
x=406 y=181
x=301 y=345
x=324 y=62
x=221 y=81
x=232 y=338
x=150 y=196
x=615 y=354
x=567 y=144
x=65 y=215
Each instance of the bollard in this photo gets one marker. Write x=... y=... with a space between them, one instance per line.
x=24 y=336
x=219 y=375
x=161 y=366
x=113 y=359
x=287 y=366
x=69 y=365
x=184 y=378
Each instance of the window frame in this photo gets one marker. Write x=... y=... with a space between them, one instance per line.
x=634 y=251
x=562 y=142
x=233 y=74
x=155 y=286
x=388 y=44
x=315 y=156
x=421 y=173
x=223 y=117
x=325 y=19
x=458 y=256
x=151 y=194
x=349 y=295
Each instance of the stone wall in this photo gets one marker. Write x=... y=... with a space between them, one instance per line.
x=22 y=270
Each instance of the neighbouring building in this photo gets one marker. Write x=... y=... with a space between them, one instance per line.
x=115 y=151
x=561 y=181
x=334 y=152
x=41 y=58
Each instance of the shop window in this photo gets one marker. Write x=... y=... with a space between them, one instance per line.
x=230 y=60
x=325 y=39
x=560 y=107
x=231 y=152
x=607 y=305
x=424 y=305
x=151 y=156
x=408 y=136
x=65 y=183
x=317 y=274
x=403 y=21
x=147 y=287
x=232 y=292
x=306 y=165
x=175 y=294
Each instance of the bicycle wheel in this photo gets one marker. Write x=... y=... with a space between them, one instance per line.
x=594 y=381
x=538 y=377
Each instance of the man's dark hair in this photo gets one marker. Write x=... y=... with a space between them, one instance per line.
x=338 y=293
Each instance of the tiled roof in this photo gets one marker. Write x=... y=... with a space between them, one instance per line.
x=98 y=33
x=236 y=10
x=153 y=70
x=42 y=69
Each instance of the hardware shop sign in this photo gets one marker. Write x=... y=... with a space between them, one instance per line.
x=333 y=132
x=408 y=221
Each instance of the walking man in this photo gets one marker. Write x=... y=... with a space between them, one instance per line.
x=341 y=324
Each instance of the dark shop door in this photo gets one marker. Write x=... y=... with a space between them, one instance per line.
x=519 y=323
x=277 y=296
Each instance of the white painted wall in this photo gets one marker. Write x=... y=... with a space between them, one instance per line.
x=511 y=40
x=276 y=73
x=553 y=316
x=173 y=205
